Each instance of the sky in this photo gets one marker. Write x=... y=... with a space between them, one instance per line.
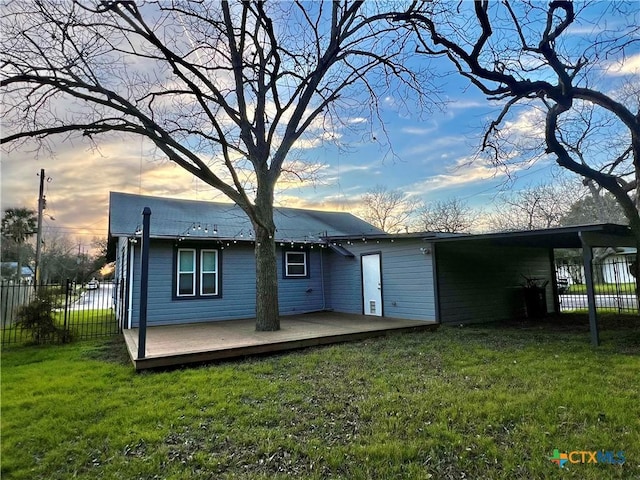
x=433 y=159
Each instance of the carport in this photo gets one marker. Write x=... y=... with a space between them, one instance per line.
x=480 y=277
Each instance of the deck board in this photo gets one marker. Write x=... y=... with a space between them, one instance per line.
x=201 y=342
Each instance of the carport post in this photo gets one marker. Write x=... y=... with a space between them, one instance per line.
x=587 y=258
x=144 y=283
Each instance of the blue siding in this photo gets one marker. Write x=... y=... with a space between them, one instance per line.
x=343 y=284
x=293 y=293
x=237 y=285
x=408 y=290
x=407 y=279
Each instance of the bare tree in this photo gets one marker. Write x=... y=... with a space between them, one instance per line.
x=226 y=90
x=527 y=56
x=450 y=216
x=389 y=210
x=536 y=206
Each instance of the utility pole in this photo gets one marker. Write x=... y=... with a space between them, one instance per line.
x=39 y=232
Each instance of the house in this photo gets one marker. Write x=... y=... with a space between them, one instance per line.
x=202 y=265
x=9 y=272
x=617 y=264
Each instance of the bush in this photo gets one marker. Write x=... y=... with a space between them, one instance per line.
x=38 y=317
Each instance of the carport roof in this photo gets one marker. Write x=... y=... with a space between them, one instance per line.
x=596 y=235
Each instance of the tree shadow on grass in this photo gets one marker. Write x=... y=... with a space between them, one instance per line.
x=619 y=332
x=111 y=350
x=572 y=322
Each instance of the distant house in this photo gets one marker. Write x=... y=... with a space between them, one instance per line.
x=613 y=267
x=202 y=265
x=9 y=272
x=616 y=266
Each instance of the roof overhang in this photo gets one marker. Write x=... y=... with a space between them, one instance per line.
x=594 y=235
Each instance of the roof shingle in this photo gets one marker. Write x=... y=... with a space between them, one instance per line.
x=172 y=218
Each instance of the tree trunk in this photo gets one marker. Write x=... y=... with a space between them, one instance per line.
x=267 y=314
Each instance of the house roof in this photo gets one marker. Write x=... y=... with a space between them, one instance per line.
x=25 y=270
x=400 y=236
x=172 y=218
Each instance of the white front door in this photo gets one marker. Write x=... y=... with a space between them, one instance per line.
x=372 y=284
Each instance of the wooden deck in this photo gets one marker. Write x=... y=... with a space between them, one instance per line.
x=203 y=342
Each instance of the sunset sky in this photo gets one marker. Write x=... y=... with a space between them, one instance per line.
x=433 y=160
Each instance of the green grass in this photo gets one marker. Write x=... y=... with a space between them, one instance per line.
x=89 y=322
x=473 y=402
x=603 y=289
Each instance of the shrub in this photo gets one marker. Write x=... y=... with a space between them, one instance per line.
x=38 y=317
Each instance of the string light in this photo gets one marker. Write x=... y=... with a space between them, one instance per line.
x=307 y=241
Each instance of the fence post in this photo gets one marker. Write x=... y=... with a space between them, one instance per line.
x=66 y=305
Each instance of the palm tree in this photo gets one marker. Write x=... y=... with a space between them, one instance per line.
x=18 y=224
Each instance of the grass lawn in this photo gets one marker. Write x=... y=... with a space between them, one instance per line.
x=472 y=402
x=603 y=289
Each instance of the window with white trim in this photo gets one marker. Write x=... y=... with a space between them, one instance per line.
x=208 y=272
x=186 y=272
x=295 y=264
x=197 y=273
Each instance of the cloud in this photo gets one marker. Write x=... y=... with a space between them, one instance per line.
x=356 y=120
x=81 y=178
x=316 y=139
x=529 y=123
x=463 y=172
x=342 y=169
x=627 y=66
x=333 y=203
x=465 y=104
x=419 y=130
x=434 y=145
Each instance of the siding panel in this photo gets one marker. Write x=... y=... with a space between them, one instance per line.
x=407 y=280
x=480 y=282
x=237 y=286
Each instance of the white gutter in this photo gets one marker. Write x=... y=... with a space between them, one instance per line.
x=131 y=261
x=324 y=301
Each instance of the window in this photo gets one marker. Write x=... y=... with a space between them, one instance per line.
x=209 y=272
x=295 y=264
x=197 y=273
x=186 y=272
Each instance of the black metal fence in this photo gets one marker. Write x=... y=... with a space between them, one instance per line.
x=79 y=311
x=614 y=285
